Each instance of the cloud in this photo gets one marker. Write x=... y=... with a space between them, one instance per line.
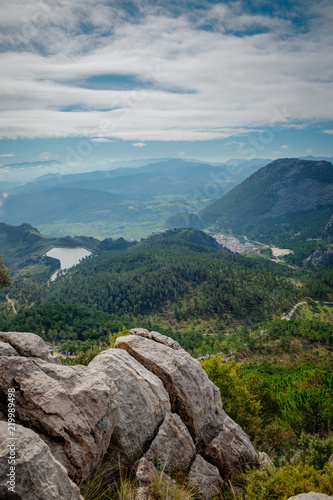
x=101 y=139
x=138 y=144
x=327 y=132
x=186 y=83
x=45 y=156
x=3 y=156
x=234 y=143
x=285 y=146
x=3 y=198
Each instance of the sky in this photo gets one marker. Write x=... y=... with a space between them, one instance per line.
x=91 y=82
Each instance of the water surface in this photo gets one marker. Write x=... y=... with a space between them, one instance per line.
x=68 y=257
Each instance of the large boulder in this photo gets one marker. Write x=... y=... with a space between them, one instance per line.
x=193 y=396
x=28 y=345
x=173 y=447
x=142 y=401
x=231 y=449
x=74 y=409
x=157 y=337
x=205 y=477
x=36 y=475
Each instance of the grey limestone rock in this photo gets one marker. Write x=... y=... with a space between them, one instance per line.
x=28 y=345
x=265 y=461
x=311 y=496
x=7 y=350
x=173 y=446
x=74 y=409
x=146 y=472
x=193 y=396
x=147 y=392
x=157 y=337
x=231 y=449
x=205 y=477
x=38 y=475
x=142 y=401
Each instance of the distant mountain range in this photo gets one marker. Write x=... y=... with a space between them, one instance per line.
x=288 y=197
x=122 y=200
x=257 y=198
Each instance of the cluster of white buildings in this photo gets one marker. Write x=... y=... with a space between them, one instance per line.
x=233 y=243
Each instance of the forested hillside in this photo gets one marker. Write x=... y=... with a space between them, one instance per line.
x=288 y=198
x=181 y=280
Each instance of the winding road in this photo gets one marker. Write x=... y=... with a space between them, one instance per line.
x=11 y=303
x=289 y=315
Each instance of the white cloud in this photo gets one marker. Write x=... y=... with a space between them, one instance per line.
x=45 y=156
x=327 y=132
x=3 y=156
x=101 y=139
x=285 y=146
x=138 y=144
x=195 y=84
x=3 y=198
x=234 y=143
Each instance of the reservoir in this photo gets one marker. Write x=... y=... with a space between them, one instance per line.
x=68 y=257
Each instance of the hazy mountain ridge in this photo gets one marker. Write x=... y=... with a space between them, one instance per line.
x=134 y=200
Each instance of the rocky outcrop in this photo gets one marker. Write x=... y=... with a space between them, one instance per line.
x=328 y=231
x=157 y=337
x=147 y=393
x=231 y=449
x=205 y=477
x=320 y=257
x=193 y=396
x=37 y=475
x=173 y=447
x=73 y=409
x=28 y=345
x=142 y=401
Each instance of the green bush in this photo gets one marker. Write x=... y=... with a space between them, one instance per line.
x=238 y=402
x=83 y=358
x=287 y=481
x=312 y=450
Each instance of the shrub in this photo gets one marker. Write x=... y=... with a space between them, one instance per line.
x=312 y=450
x=287 y=481
x=238 y=402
